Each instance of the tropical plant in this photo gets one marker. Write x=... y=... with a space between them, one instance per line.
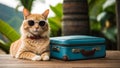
x=103 y=20
x=9 y=33
x=27 y=4
x=55 y=22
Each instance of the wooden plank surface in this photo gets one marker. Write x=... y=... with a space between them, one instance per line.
x=112 y=60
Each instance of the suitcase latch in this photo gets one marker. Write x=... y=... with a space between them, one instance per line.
x=76 y=50
x=97 y=48
x=55 y=49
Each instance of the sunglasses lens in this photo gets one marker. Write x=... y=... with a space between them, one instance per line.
x=31 y=22
x=42 y=23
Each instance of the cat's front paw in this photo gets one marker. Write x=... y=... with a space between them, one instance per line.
x=36 y=58
x=45 y=58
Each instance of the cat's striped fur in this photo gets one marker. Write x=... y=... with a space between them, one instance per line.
x=34 y=41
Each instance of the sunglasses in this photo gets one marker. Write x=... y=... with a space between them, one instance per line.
x=31 y=23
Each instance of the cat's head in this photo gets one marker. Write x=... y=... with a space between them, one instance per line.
x=35 y=24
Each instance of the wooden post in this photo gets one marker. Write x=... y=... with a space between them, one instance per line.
x=76 y=19
x=118 y=22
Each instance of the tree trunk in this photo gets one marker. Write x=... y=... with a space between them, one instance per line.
x=118 y=22
x=76 y=19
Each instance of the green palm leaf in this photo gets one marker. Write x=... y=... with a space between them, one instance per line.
x=8 y=31
x=4 y=46
x=57 y=10
x=27 y=4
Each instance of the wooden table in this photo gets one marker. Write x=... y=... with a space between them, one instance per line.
x=112 y=60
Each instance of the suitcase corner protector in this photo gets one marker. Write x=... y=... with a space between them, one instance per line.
x=65 y=58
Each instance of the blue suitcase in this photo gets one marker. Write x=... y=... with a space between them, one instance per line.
x=77 y=47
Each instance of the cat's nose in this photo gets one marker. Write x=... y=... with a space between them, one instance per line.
x=36 y=26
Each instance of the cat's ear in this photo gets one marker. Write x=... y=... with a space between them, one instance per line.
x=25 y=12
x=45 y=13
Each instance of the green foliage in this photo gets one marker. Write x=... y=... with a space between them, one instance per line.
x=110 y=33
x=102 y=18
x=4 y=46
x=11 y=16
x=96 y=26
x=55 y=22
x=27 y=4
x=9 y=33
x=9 y=24
x=95 y=7
x=57 y=10
x=109 y=5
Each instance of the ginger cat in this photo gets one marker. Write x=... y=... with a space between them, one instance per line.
x=34 y=41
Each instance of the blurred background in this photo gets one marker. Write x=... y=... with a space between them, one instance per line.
x=102 y=19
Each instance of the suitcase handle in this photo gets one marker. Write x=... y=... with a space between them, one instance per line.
x=88 y=53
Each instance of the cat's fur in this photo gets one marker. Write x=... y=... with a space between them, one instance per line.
x=29 y=46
